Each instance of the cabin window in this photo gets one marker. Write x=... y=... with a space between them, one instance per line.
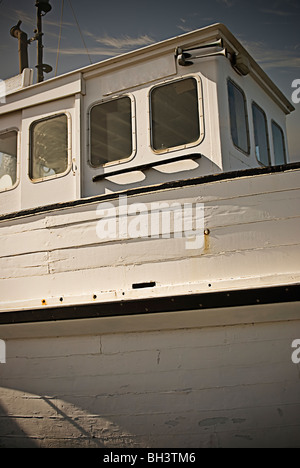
x=238 y=117
x=8 y=160
x=175 y=115
x=278 y=144
x=111 y=131
x=48 y=147
x=262 y=149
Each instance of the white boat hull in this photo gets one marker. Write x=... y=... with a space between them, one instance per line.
x=213 y=378
x=201 y=357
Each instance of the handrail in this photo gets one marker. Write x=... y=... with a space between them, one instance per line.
x=144 y=167
x=197 y=181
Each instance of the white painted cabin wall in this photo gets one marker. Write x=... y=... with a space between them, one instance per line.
x=219 y=153
x=210 y=146
x=136 y=73
x=62 y=188
x=233 y=158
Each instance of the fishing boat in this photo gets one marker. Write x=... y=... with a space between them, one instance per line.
x=149 y=254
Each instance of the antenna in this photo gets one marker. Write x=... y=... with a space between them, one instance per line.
x=43 y=7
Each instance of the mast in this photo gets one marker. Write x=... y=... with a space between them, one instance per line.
x=43 y=7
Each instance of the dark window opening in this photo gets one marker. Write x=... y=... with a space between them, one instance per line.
x=175 y=114
x=278 y=144
x=111 y=131
x=262 y=150
x=238 y=118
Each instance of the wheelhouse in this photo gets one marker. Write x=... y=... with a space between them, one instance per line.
x=187 y=107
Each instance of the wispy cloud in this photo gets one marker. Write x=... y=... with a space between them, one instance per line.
x=49 y=22
x=14 y=15
x=97 y=51
x=108 y=46
x=276 y=12
x=193 y=21
x=184 y=28
x=29 y=21
x=273 y=58
x=125 y=41
x=183 y=25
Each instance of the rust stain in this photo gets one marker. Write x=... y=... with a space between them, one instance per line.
x=206 y=241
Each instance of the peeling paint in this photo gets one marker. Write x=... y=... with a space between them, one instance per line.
x=213 y=422
x=175 y=422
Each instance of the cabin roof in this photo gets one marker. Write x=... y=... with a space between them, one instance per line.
x=190 y=39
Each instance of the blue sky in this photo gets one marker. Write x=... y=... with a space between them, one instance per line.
x=268 y=29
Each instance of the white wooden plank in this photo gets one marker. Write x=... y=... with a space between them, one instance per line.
x=74 y=229
x=240 y=269
x=24 y=265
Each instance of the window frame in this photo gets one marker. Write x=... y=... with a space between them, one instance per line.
x=69 y=147
x=253 y=103
x=9 y=130
x=200 y=114
x=133 y=131
x=273 y=122
x=246 y=153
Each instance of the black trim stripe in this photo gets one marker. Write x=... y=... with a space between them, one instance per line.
x=145 y=167
x=213 y=300
x=154 y=189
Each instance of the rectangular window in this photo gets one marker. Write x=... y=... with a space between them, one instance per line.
x=175 y=115
x=262 y=150
x=49 y=147
x=238 y=117
x=8 y=160
x=111 y=131
x=278 y=144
